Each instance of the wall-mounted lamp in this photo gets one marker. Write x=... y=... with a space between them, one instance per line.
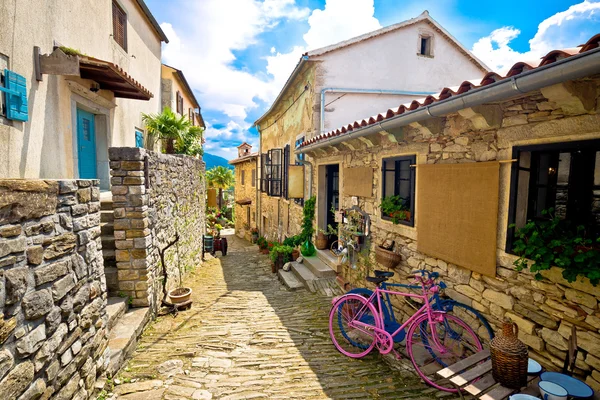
x=95 y=87
x=551 y=171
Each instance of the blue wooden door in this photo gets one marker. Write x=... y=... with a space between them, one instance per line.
x=86 y=144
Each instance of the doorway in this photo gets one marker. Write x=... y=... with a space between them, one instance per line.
x=86 y=144
x=332 y=178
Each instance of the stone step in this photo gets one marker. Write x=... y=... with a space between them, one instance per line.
x=107 y=228
x=106 y=205
x=330 y=260
x=304 y=275
x=319 y=268
x=115 y=308
x=108 y=243
x=112 y=280
x=108 y=255
x=123 y=338
x=289 y=280
x=107 y=216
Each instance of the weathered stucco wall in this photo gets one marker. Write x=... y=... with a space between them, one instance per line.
x=544 y=310
x=152 y=208
x=45 y=146
x=53 y=324
x=245 y=191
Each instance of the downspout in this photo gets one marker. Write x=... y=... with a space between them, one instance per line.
x=574 y=67
x=365 y=91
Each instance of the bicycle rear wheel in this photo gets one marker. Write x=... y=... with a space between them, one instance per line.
x=456 y=342
x=352 y=320
x=472 y=317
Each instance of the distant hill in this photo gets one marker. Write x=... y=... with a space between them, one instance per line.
x=213 y=161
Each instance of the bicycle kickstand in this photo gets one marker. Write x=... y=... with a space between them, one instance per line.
x=396 y=354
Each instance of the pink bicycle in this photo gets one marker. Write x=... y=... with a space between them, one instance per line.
x=434 y=339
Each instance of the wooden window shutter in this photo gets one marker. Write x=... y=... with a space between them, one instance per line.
x=253 y=178
x=263 y=173
x=243 y=177
x=286 y=163
x=119 y=25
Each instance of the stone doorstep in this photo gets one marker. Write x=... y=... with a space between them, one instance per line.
x=289 y=280
x=108 y=243
x=107 y=228
x=122 y=339
x=329 y=259
x=304 y=275
x=319 y=268
x=115 y=308
x=107 y=216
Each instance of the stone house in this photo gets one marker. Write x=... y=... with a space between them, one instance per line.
x=74 y=106
x=348 y=80
x=468 y=163
x=245 y=192
x=177 y=94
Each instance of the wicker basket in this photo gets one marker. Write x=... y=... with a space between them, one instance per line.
x=509 y=357
x=387 y=258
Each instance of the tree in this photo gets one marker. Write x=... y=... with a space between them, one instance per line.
x=220 y=178
x=190 y=143
x=168 y=126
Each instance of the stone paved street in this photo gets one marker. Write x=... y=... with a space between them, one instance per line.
x=247 y=337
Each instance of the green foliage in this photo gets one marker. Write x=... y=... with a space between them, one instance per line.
x=191 y=142
x=181 y=136
x=281 y=250
x=307 y=220
x=331 y=231
x=220 y=177
x=293 y=241
x=553 y=242
x=71 y=51
x=262 y=242
x=394 y=207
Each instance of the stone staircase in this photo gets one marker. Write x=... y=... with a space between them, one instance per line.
x=314 y=274
x=107 y=219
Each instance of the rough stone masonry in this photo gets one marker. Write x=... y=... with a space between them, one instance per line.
x=53 y=332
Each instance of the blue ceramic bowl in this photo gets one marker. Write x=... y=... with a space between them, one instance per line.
x=573 y=386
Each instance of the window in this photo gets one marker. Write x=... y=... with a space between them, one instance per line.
x=271 y=170
x=253 y=178
x=139 y=138
x=248 y=215
x=119 y=25
x=243 y=177
x=191 y=115
x=3 y=66
x=179 y=104
x=563 y=176
x=299 y=158
x=425 y=45
x=398 y=179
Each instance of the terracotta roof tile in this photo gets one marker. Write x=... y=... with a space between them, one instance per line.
x=465 y=87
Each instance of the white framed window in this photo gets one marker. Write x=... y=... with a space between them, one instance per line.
x=425 y=44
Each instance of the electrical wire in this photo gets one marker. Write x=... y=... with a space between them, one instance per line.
x=306 y=87
x=334 y=100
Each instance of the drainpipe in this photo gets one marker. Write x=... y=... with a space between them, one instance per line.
x=365 y=91
x=574 y=67
x=310 y=175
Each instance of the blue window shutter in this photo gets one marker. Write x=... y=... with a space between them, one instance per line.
x=15 y=87
x=139 y=139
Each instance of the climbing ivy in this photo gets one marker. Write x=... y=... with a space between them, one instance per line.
x=309 y=216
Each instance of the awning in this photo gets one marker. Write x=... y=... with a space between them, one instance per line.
x=111 y=77
x=244 y=202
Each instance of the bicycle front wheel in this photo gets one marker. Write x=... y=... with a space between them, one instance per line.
x=434 y=346
x=351 y=325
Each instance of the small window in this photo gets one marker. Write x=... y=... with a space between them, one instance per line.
x=179 y=104
x=271 y=172
x=425 y=46
x=139 y=138
x=191 y=115
x=119 y=25
x=563 y=176
x=243 y=177
x=299 y=158
x=398 y=179
x=248 y=215
x=253 y=178
x=3 y=66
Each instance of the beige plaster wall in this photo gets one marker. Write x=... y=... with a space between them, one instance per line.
x=169 y=93
x=243 y=191
x=45 y=146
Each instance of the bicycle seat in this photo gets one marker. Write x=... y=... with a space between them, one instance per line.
x=376 y=279
x=387 y=274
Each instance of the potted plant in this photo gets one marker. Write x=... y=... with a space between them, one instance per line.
x=395 y=208
x=308 y=249
x=280 y=255
x=294 y=242
x=263 y=245
x=254 y=234
x=322 y=239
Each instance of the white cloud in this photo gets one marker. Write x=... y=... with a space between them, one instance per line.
x=564 y=29
x=339 y=20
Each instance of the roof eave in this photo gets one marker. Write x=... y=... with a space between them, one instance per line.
x=153 y=21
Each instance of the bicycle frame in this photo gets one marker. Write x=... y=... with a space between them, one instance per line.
x=426 y=308
x=434 y=299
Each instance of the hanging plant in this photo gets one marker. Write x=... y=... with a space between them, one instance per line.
x=395 y=207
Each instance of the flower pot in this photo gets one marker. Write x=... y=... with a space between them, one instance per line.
x=321 y=241
x=387 y=258
x=264 y=251
x=295 y=254
x=180 y=295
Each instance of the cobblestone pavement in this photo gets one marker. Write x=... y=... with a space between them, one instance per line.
x=247 y=337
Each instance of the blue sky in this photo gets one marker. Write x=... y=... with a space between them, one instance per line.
x=237 y=54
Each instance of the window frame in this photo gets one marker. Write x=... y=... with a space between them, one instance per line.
x=299 y=158
x=428 y=37
x=254 y=177
x=269 y=180
x=412 y=160
x=564 y=147
x=243 y=177
x=116 y=9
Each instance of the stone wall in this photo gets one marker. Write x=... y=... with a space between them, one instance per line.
x=52 y=289
x=245 y=191
x=544 y=310
x=156 y=197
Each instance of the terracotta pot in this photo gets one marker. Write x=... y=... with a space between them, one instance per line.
x=295 y=254
x=264 y=251
x=321 y=241
x=180 y=295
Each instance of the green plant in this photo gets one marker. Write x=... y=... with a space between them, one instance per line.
x=262 y=243
x=308 y=217
x=190 y=142
x=281 y=250
x=71 y=51
x=553 y=242
x=330 y=231
x=220 y=178
x=394 y=207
